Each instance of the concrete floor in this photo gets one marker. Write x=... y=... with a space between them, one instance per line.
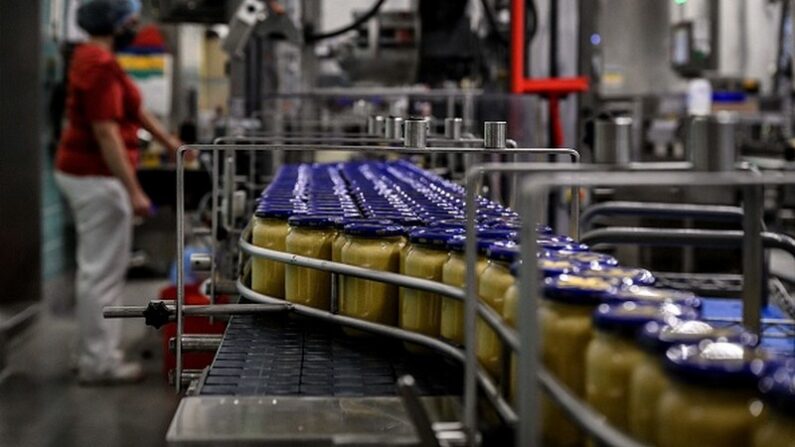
x=42 y=405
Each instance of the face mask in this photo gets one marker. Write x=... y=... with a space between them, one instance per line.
x=124 y=38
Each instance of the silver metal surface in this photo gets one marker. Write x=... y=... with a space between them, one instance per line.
x=754 y=281
x=210 y=310
x=375 y=125
x=613 y=141
x=201 y=262
x=197 y=342
x=659 y=210
x=453 y=128
x=416 y=133
x=314 y=421
x=393 y=128
x=416 y=412
x=495 y=134
x=712 y=142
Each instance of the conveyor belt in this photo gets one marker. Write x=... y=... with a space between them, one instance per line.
x=290 y=356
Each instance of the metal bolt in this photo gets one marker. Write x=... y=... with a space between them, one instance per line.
x=495 y=134
x=201 y=262
x=453 y=128
x=416 y=133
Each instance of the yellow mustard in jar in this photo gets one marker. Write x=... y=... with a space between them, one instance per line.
x=425 y=257
x=374 y=247
x=713 y=400
x=565 y=328
x=309 y=236
x=613 y=354
x=648 y=381
x=777 y=429
x=454 y=274
x=269 y=231
x=492 y=285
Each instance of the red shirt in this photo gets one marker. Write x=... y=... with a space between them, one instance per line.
x=98 y=90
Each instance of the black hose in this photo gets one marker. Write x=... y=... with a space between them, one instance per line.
x=314 y=37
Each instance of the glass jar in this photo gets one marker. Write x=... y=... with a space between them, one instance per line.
x=712 y=400
x=493 y=282
x=374 y=247
x=648 y=381
x=420 y=311
x=454 y=274
x=777 y=428
x=613 y=354
x=341 y=238
x=309 y=236
x=565 y=328
x=269 y=231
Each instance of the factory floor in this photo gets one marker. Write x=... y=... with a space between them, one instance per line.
x=41 y=403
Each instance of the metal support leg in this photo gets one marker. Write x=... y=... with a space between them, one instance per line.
x=754 y=288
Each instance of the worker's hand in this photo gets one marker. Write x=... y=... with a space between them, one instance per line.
x=276 y=7
x=141 y=204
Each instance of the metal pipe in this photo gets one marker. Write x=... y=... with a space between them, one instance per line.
x=209 y=310
x=488 y=315
x=488 y=387
x=660 y=211
x=416 y=133
x=416 y=411
x=754 y=286
x=198 y=342
x=180 y=260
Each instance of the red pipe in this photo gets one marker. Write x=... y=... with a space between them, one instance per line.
x=517 y=45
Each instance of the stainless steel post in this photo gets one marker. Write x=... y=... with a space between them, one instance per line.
x=375 y=125
x=453 y=128
x=416 y=133
x=613 y=144
x=495 y=134
x=754 y=288
x=180 y=263
x=393 y=128
x=712 y=142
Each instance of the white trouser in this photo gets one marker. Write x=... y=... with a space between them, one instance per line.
x=103 y=217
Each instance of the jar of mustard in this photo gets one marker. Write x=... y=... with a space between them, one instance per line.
x=309 y=236
x=493 y=282
x=269 y=231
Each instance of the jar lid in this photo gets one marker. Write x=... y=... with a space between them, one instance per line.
x=659 y=337
x=311 y=221
x=457 y=244
x=645 y=293
x=448 y=223
x=715 y=364
x=619 y=275
x=778 y=386
x=373 y=230
x=497 y=233
x=553 y=245
x=587 y=259
x=503 y=251
x=435 y=237
x=275 y=213
x=551 y=266
x=627 y=318
x=577 y=290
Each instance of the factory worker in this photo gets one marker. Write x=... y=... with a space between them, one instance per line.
x=95 y=170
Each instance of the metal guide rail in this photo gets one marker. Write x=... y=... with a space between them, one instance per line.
x=531 y=374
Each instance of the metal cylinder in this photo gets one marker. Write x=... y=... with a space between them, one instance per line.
x=495 y=134
x=375 y=125
x=416 y=133
x=393 y=128
x=712 y=142
x=613 y=141
x=201 y=262
x=453 y=128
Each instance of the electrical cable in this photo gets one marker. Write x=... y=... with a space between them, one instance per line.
x=314 y=37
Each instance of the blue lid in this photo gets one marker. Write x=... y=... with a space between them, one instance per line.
x=659 y=337
x=373 y=230
x=653 y=294
x=458 y=244
x=552 y=245
x=577 y=290
x=553 y=266
x=311 y=221
x=715 y=364
x=503 y=251
x=620 y=275
x=497 y=233
x=432 y=236
x=628 y=317
x=448 y=223
x=275 y=213
x=778 y=386
x=589 y=259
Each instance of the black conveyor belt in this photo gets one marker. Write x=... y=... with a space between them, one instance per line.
x=284 y=355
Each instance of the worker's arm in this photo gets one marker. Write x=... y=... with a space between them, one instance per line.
x=115 y=156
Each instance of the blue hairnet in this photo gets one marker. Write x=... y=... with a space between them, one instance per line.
x=104 y=17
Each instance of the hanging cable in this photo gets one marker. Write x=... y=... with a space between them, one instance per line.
x=314 y=37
